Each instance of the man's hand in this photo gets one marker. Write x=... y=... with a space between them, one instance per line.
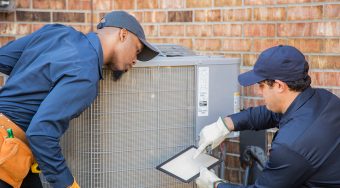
x=206 y=179
x=213 y=135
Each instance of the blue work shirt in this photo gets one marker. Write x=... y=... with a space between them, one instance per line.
x=306 y=149
x=53 y=77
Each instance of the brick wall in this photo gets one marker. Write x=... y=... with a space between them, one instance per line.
x=233 y=28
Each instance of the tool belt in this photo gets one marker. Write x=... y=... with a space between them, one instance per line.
x=16 y=157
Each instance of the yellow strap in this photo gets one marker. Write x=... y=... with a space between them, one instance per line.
x=35 y=168
x=74 y=185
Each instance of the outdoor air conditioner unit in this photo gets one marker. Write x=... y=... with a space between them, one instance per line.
x=156 y=110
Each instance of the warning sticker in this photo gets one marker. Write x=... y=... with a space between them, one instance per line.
x=203 y=91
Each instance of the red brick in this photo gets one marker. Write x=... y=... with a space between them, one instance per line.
x=23 y=3
x=249 y=59
x=123 y=4
x=185 y=42
x=262 y=44
x=325 y=78
x=81 y=28
x=227 y=30
x=306 y=45
x=207 y=44
x=331 y=46
x=199 y=30
x=323 y=62
x=236 y=44
x=330 y=29
x=37 y=26
x=250 y=102
x=228 y=55
x=166 y=4
x=171 y=30
x=259 y=2
x=7 y=16
x=49 y=4
x=251 y=91
x=24 y=29
x=232 y=161
x=1 y=80
x=227 y=3
x=79 y=5
x=180 y=16
x=198 y=3
x=150 y=30
x=147 y=4
x=208 y=16
x=294 y=29
x=233 y=175
x=237 y=14
x=267 y=14
x=256 y=30
x=155 y=16
x=232 y=147
x=33 y=16
x=95 y=18
x=104 y=5
x=61 y=4
x=5 y=40
x=332 y=11
x=292 y=1
x=41 y=4
x=7 y=29
x=325 y=0
x=316 y=78
x=304 y=13
x=138 y=15
x=68 y=17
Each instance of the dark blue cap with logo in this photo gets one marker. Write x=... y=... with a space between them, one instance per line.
x=284 y=63
x=122 y=19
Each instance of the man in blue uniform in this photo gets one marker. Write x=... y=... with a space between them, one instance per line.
x=306 y=149
x=53 y=77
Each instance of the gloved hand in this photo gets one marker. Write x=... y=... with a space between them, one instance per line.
x=207 y=179
x=213 y=135
x=74 y=185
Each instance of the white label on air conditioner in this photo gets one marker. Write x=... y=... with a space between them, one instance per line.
x=203 y=91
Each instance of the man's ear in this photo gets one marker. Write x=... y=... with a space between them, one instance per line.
x=123 y=34
x=281 y=86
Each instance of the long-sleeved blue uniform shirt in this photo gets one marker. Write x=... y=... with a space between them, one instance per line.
x=53 y=77
x=306 y=150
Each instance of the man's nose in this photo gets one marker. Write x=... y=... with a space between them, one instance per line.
x=134 y=62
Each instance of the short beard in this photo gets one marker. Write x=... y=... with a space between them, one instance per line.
x=116 y=75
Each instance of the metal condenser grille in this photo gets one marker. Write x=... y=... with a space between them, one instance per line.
x=134 y=125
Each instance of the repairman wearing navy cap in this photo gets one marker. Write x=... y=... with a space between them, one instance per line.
x=54 y=75
x=305 y=151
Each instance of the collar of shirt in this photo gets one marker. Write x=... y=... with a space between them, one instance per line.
x=95 y=42
x=298 y=102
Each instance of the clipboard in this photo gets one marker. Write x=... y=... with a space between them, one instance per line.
x=184 y=167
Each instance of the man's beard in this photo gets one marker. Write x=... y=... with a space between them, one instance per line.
x=116 y=75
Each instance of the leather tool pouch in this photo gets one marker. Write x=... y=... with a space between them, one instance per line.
x=16 y=159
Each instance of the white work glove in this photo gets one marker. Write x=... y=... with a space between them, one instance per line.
x=213 y=135
x=207 y=179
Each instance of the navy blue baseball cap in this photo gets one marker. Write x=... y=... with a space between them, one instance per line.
x=122 y=19
x=284 y=63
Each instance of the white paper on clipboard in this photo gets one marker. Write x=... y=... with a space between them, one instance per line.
x=184 y=167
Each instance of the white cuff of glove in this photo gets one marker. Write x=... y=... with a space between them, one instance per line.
x=222 y=126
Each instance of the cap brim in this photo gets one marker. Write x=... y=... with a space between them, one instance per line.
x=249 y=78
x=148 y=52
